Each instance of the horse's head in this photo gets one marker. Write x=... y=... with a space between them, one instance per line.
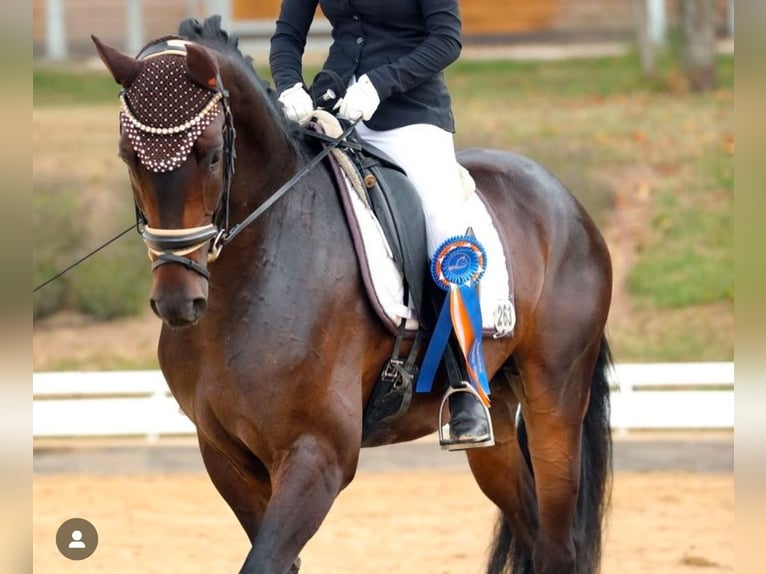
x=176 y=137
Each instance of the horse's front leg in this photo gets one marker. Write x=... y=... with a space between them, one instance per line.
x=305 y=483
x=243 y=482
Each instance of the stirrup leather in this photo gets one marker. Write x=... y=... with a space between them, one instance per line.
x=444 y=441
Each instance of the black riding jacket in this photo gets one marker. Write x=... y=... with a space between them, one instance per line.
x=402 y=45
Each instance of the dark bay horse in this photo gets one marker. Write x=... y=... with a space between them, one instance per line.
x=273 y=349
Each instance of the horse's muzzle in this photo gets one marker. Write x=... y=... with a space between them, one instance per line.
x=178 y=297
x=179 y=312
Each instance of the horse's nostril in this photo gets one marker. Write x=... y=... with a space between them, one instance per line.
x=200 y=306
x=179 y=311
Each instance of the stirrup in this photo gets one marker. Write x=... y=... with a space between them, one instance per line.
x=444 y=441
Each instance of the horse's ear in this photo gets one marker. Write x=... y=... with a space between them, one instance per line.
x=201 y=66
x=123 y=67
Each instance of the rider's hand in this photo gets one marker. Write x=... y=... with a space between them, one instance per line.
x=361 y=100
x=296 y=102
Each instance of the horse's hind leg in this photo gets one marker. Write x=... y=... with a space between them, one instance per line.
x=554 y=406
x=504 y=477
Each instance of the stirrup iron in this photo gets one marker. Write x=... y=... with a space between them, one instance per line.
x=444 y=440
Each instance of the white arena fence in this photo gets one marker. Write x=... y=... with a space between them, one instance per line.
x=139 y=403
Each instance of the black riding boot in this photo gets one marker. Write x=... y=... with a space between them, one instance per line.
x=468 y=424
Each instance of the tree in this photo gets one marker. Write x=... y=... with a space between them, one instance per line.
x=651 y=24
x=697 y=21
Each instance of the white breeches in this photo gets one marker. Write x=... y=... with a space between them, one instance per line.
x=427 y=154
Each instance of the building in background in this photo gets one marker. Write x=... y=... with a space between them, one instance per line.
x=62 y=28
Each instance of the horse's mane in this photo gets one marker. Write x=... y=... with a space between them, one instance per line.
x=210 y=34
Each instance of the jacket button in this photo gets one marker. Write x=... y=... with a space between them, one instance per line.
x=356 y=17
x=359 y=40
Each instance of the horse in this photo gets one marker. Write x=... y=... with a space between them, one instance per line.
x=272 y=348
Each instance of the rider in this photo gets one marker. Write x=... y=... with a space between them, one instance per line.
x=391 y=55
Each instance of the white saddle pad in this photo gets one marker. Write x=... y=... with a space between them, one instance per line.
x=495 y=295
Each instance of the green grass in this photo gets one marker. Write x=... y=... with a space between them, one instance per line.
x=697 y=333
x=687 y=255
x=68 y=87
x=57 y=237
x=618 y=140
x=690 y=257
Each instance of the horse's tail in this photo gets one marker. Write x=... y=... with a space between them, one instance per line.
x=508 y=553
x=595 y=468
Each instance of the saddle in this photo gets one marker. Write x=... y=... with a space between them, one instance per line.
x=387 y=225
x=397 y=208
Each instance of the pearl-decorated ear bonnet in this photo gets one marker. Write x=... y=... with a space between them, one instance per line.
x=163 y=110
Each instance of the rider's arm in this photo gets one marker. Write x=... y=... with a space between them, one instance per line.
x=289 y=41
x=441 y=47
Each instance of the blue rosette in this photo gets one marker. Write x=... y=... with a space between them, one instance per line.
x=460 y=260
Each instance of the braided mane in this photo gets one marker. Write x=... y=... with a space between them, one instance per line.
x=210 y=34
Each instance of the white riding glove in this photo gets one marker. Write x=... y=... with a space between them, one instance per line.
x=296 y=102
x=361 y=100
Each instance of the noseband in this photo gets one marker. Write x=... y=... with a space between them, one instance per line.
x=175 y=245
x=172 y=245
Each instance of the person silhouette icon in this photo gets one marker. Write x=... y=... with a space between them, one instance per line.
x=76 y=540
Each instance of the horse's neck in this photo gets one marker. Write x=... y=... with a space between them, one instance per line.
x=261 y=133
x=266 y=153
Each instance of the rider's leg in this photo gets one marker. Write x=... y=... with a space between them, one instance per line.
x=427 y=155
x=469 y=425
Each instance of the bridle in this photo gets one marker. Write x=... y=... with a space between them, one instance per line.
x=174 y=245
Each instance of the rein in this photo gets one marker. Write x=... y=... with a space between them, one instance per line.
x=227 y=237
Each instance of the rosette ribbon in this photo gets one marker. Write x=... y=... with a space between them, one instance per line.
x=457 y=266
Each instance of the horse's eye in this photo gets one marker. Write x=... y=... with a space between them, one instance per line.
x=215 y=159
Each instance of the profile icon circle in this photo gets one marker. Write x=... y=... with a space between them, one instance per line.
x=76 y=539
